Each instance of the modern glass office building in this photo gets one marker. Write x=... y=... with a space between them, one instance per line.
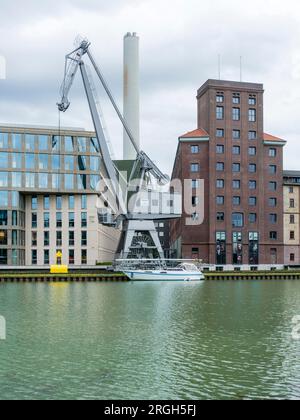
x=48 y=197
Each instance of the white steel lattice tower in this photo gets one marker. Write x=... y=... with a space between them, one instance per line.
x=131 y=94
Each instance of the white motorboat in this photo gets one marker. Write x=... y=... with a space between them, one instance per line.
x=183 y=272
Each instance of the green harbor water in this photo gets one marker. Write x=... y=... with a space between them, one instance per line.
x=228 y=340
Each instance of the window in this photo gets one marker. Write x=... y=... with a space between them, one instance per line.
x=236 y=150
x=252 y=100
x=220 y=112
x=273 y=218
x=220 y=166
x=71 y=238
x=95 y=161
x=220 y=183
x=59 y=238
x=84 y=238
x=29 y=161
x=83 y=256
x=292 y=203
x=43 y=181
x=236 y=99
x=3 y=237
x=252 y=168
x=272 y=152
x=220 y=149
x=273 y=236
x=34 y=202
x=34 y=220
x=195 y=201
x=3 y=179
x=3 y=217
x=236 y=167
x=16 y=160
x=16 y=179
x=43 y=143
x=272 y=186
x=34 y=257
x=71 y=256
x=95 y=179
x=58 y=202
x=56 y=162
x=30 y=180
x=195 y=183
x=14 y=238
x=252 y=185
x=252 y=135
x=69 y=144
x=82 y=182
x=291 y=190
x=220 y=132
x=236 y=114
x=292 y=219
x=71 y=220
x=194 y=167
x=59 y=220
x=236 y=184
x=236 y=134
x=236 y=201
x=69 y=163
x=252 y=217
x=46 y=220
x=56 y=181
x=56 y=143
x=252 y=115
x=237 y=220
x=272 y=169
x=3 y=140
x=220 y=200
x=3 y=160
x=272 y=202
x=43 y=161
x=220 y=98
x=95 y=145
x=292 y=235
x=83 y=202
x=29 y=142
x=220 y=217
x=292 y=257
x=84 y=220
x=46 y=257
x=14 y=218
x=15 y=199
x=71 y=202
x=16 y=141
x=194 y=150
x=221 y=248
x=46 y=202
x=82 y=144
x=252 y=151
x=82 y=163
x=34 y=238
x=252 y=201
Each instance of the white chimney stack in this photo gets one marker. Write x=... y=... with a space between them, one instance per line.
x=131 y=94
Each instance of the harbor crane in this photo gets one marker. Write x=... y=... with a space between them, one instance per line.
x=133 y=203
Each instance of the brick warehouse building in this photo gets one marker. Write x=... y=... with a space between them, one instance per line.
x=242 y=169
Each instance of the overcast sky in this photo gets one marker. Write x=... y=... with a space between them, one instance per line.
x=180 y=43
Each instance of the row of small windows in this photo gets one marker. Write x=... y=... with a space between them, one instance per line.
x=252 y=201
x=47 y=181
x=59 y=238
x=45 y=162
x=34 y=256
x=12 y=218
x=59 y=202
x=220 y=149
x=46 y=143
x=12 y=199
x=236 y=168
x=59 y=221
x=252 y=217
x=236 y=134
x=236 y=114
x=236 y=99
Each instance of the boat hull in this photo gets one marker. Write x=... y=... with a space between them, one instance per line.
x=139 y=275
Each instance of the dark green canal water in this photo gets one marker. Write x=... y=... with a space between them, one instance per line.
x=229 y=340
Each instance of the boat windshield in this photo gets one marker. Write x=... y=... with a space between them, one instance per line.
x=188 y=267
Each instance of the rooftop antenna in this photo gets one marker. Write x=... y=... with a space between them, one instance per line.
x=219 y=66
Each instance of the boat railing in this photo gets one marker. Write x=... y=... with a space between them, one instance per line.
x=152 y=264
